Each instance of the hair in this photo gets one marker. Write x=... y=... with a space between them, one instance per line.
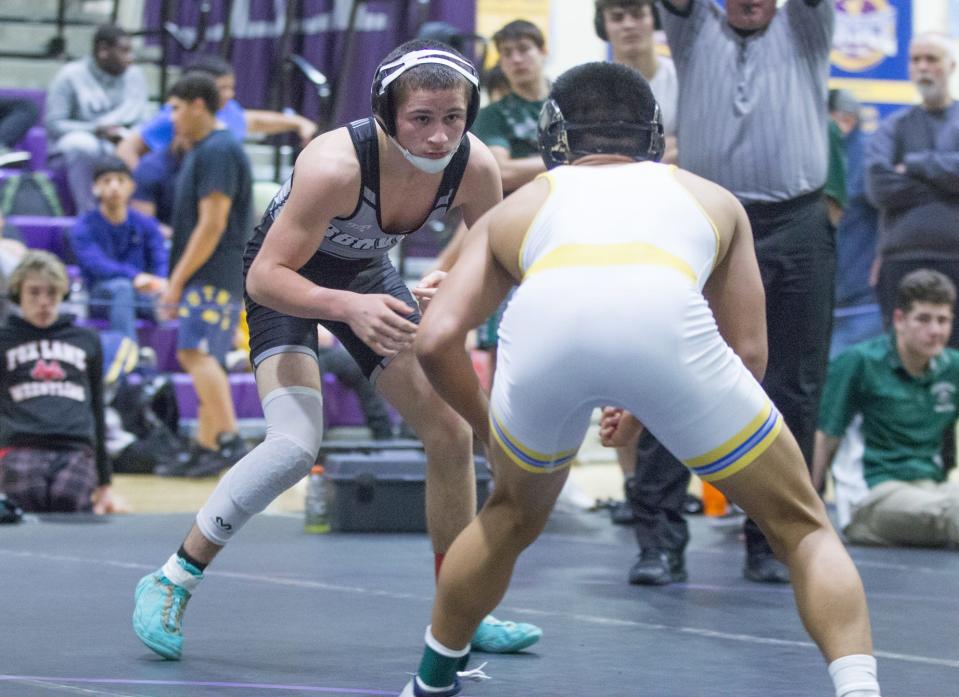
x=212 y=65
x=109 y=165
x=925 y=286
x=108 y=34
x=519 y=29
x=604 y=94
x=40 y=262
x=600 y=22
x=197 y=86
x=937 y=39
x=843 y=101
x=494 y=79
x=431 y=77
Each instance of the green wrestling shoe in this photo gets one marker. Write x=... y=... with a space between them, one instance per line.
x=158 y=612
x=494 y=636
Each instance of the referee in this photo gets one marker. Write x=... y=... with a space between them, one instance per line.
x=752 y=118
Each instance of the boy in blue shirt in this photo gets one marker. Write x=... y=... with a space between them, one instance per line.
x=120 y=251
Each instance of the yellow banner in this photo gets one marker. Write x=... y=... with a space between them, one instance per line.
x=492 y=15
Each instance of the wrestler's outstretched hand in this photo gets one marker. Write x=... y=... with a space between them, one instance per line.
x=617 y=427
x=380 y=321
x=426 y=288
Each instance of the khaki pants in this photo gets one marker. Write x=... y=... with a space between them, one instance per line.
x=921 y=513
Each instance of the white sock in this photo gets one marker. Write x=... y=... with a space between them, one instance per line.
x=854 y=676
x=180 y=576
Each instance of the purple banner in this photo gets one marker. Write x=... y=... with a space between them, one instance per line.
x=254 y=30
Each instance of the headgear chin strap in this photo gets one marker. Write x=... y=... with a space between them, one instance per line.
x=381 y=95
x=554 y=133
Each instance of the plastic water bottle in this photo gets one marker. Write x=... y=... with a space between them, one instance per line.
x=317 y=517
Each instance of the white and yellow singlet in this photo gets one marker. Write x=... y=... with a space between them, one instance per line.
x=610 y=311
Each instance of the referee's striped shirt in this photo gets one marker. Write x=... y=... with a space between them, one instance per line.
x=752 y=111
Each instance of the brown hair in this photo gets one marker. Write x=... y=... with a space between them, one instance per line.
x=519 y=29
x=925 y=286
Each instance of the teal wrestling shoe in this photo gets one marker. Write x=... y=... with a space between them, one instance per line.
x=159 y=606
x=494 y=636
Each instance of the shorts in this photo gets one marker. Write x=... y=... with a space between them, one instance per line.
x=272 y=332
x=208 y=318
x=42 y=480
x=574 y=339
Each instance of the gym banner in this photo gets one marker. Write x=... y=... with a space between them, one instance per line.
x=870 y=54
x=253 y=29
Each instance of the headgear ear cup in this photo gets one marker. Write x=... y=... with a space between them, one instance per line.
x=599 y=23
x=381 y=91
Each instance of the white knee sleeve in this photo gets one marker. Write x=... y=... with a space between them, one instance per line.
x=294 y=430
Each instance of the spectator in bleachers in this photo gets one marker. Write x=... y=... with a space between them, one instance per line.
x=211 y=222
x=17 y=116
x=52 y=455
x=158 y=133
x=913 y=177
x=905 y=385
x=856 y=316
x=91 y=105
x=629 y=27
x=508 y=126
x=760 y=74
x=120 y=251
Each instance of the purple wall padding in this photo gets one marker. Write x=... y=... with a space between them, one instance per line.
x=256 y=26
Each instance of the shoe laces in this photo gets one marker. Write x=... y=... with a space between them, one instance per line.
x=177 y=604
x=474 y=675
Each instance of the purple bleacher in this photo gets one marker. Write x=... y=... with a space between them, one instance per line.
x=242 y=386
x=340 y=405
x=35 y=143
x=160 y=336
x=40 y=232
x=38 y=97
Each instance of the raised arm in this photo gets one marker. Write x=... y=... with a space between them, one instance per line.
x=813 y=21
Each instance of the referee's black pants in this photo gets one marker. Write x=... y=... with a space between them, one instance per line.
x=796 y=249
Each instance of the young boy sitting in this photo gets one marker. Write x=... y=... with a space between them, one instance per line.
x=52 y=455
x=120 y=251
